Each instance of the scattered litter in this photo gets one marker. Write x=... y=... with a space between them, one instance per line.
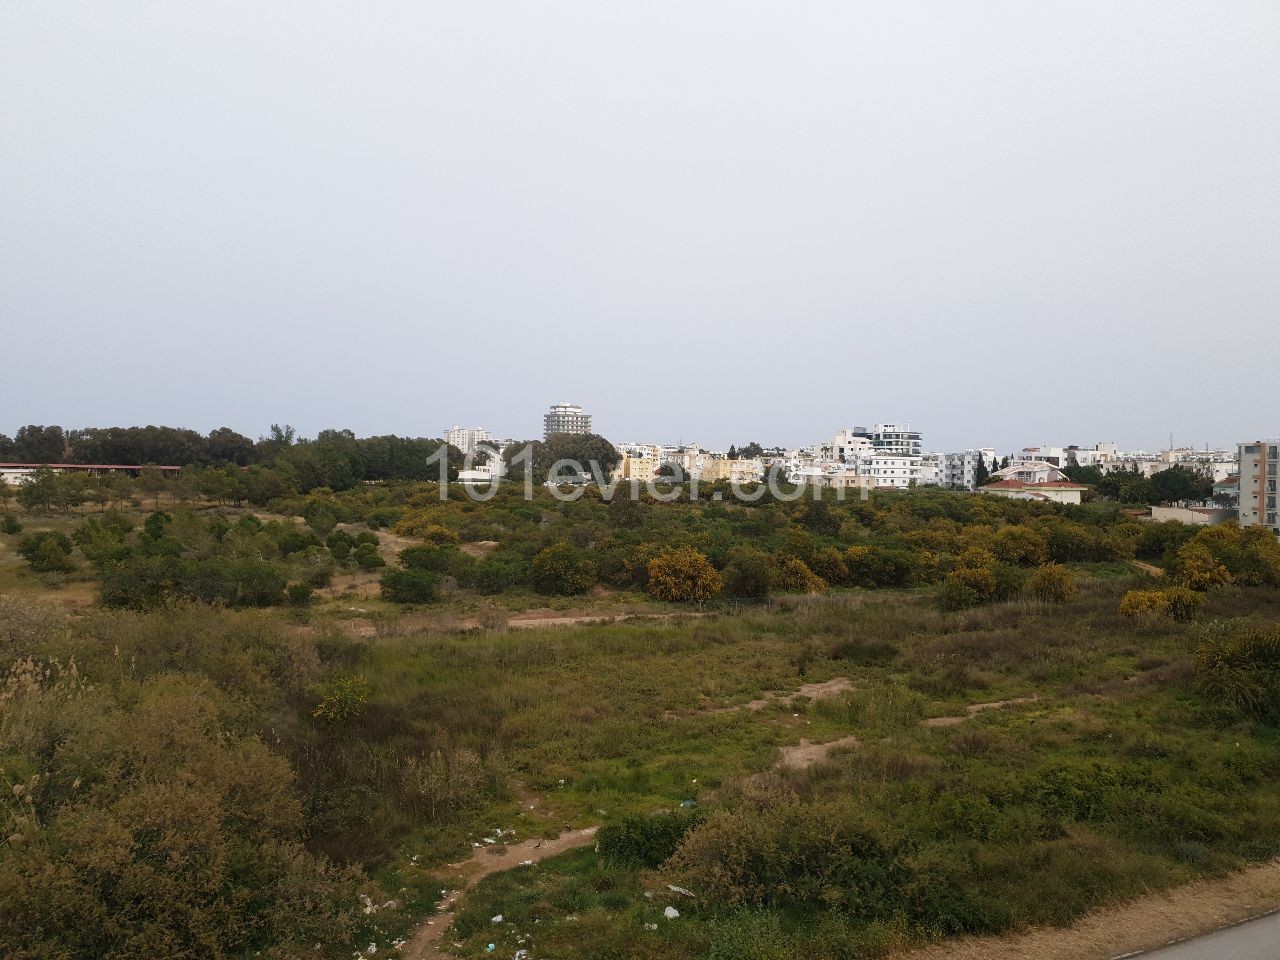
x=562 y=783
x=680 y=890
x=526 y=863
x=648 y=894
x=522 y=955
x=489 y=948
x=498 y=918
x=687 y=803
x=671 y=913
x=651 y=926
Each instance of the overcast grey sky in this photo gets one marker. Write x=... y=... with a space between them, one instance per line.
x=1006 y=222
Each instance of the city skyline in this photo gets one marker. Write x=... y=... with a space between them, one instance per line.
x=750 y=219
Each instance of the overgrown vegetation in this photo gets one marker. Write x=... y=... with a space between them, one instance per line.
x=180 y=776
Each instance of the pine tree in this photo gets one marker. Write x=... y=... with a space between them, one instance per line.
x=980 y=471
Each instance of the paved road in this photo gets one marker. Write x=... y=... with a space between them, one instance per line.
x=1256 y=940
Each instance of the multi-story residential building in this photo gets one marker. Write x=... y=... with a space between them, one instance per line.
x=467 y=439
x=931 y=469
x=846 y=446
x=565 y=418
x=890 y=471
x=739 y=471
x=1031 y=471
x=893 y=439
x=1259 y=469
x=960 y=470
x=640 y=461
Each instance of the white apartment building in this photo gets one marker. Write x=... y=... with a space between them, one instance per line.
x=565 y=418
x=846 y=446
x=890 y=471
x=894 y=439
x=1259 y=469
x=959 y=470
x=467 y=439
x=931 y=468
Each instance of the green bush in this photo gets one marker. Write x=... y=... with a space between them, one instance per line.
x=413 y=585
x=1242 y=670
x=562 y=569
x=791 y=854
x=645 y=841
x=1173 y=603
x=299 y=594
x=1053 y=583
x=367 y=557
x=47 y=551
x=341 y=699
x=9 y=524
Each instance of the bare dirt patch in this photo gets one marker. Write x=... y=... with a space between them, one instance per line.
x=426 y=943
x=1147 y=568
x=973 y=709
x=805 y=754
x=1141 y=924
x=812 y=691
x=480 y=549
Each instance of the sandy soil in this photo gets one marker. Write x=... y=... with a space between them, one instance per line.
x=975 y=708
x=1147 y=568
x=1141 y=924
x=428 y=941
x=805 y=754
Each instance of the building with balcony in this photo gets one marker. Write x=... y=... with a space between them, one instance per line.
x=565 y=418
x=1259 y=469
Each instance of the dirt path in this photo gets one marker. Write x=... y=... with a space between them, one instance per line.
x=1128 y=928
x=428 y=941
x=1150 y=568
x=531 y=623
x=975 y=708
x=813 y=691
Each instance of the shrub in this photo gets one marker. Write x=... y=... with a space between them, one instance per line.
x=791 y=854
x=829 y=564
x=879 y=566
x=562 y=569
x=299 y=594
x=1020 y=545
x=645 y=841
x=429 y=557
x=9 y=524
x=1174 y=603
x=1053 y=583
x=413 y=585
x=683 y=576
x=968 y=587
x=1242 y=670
x=1196 y=567
x=367 y=557
x=47 y=551
x=747 y=574
x=792 y=575
x=341 y=699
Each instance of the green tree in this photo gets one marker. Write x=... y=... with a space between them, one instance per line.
x=410 y=585
x=562 y=569
x=980 y=471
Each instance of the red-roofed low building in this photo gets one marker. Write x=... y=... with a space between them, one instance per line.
x=1056 y=491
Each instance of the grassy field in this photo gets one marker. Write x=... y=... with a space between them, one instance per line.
x=325 y=768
